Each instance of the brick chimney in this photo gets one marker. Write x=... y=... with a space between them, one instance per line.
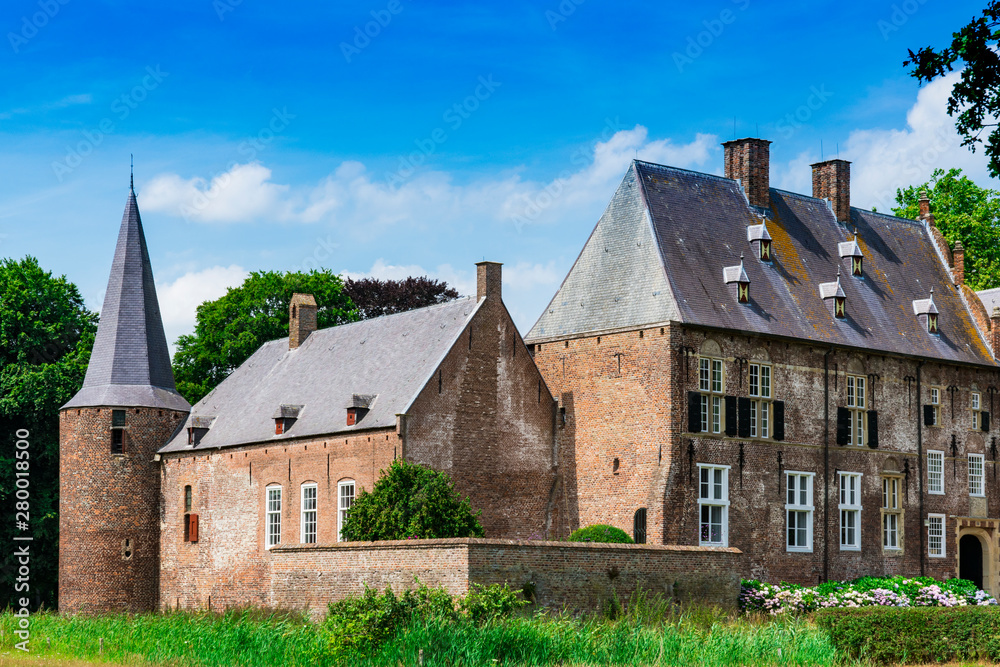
x=749 y=161
x=959 y=261
x=301 y=319
x=832 y=180
x=925 y=208
x=488 y=276
x=995 y=331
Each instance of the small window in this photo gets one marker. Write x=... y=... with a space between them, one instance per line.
x=308 y=514
x=850 y=511
x=856 y=404
x=935 y=406
x=935 y=535
x=975 y=411
x=856 y=266
x=840 y=307
x=743 y=292
x=639 y=526
x=187 y=498
x=117 y=418
x=932 y=323
x=117 y=441
x=935 y=472
x=713 y=505
x=345 y=500
x=891 y=514
x=760 y=403
x=765 y=250
x=799 y=510
x=710 y=382
x=976 y=475
x=279 y=426
x=273 y=516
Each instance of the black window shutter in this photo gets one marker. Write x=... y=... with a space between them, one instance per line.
x=731 y=416
x=872 y=429
x=779 y=420
x=744 y=412
x=928 y=415
x=843 y=420
x=694 y=412
x=984 y=421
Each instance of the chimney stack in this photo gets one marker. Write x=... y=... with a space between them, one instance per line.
x=958 y=257
x=749 y=161
x=488 y=276
x=832 y=180
x=925 y=209
x=301 y=319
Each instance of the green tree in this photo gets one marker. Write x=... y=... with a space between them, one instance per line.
x=962 y=211
x=976 y=96
x=46 y=334
x=410 y=501
x=600 y=533
x=231 y=328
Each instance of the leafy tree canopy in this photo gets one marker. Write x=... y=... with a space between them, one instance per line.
x=962 y=211
x=410 y=501
x=976 y=96
x=46 y=334
x=374 y=297
x=231 y=328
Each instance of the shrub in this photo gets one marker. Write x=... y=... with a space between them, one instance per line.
x=488 y=603
x=411 y=501
x=600 y=533
x=886 y=635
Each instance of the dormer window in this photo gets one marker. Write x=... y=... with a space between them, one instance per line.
x=834 y=293
x=358 y=407
x=851 y=251
x=284 y=417
x=197 y=429
x=758 y=235
x=927 y=313
x=737 y=277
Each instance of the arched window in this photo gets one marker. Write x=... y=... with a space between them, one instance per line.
x=345 y=498
x=308 y=505
x=273 y=524
x=639 y=526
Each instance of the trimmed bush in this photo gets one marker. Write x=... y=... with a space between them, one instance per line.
x=410 y=501
x=600 y=533
x=888 y=635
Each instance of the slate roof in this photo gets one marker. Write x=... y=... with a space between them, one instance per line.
x=391 y=358
x=130 y=363
x=657 y=252
x=990 y=299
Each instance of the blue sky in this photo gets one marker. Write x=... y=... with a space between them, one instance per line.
x=390 y=137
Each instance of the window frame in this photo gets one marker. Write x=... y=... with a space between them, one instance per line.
x=930 y=485
x=857 y=425
x=305 y=521
x=976 y=408
x=892 y=514
x=808 y=509
x=760 y=376
x=935 y=403
x=981 y=475
x=272 y=516
x=711 y=386
x=853 y=509
x=722 y=503
x=944 y=542
x=341 y=510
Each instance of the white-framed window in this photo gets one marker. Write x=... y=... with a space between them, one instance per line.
x=935 y=536
x=975 y=406
x=935 y=406
x=710 y=383
x=891 y=514
x=857 y=400
x=935 y=472
x=760 y=400
x=799 y=510
x=308 y=527
x=345 y=498
x=976 y=475
x=713 y=505
x=850 y=511
x=273 y=524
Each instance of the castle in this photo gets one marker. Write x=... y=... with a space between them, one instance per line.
x=727 y=366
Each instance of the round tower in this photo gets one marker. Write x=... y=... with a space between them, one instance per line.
x=109 y=433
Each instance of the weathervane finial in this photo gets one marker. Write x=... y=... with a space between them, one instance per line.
x=131 y=172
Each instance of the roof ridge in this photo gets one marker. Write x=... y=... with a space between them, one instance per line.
x=682 y=169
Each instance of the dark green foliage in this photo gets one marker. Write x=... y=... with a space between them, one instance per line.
x=46 y=334
x=962 y=211
x=600 y=533
x=976 y=96
x=890 y=635
x=231 y=328
x=410 y=501
x=374 y=297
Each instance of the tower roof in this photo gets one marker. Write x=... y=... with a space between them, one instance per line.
x=130 y=363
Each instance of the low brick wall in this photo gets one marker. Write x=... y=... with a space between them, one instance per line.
x=575 y=575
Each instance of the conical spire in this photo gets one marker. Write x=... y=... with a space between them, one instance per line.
x=130 y=363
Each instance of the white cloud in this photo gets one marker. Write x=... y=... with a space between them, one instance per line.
x=886 y=159
x=179 y=300
x=241 y=194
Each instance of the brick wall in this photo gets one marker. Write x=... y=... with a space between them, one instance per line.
x=106 y=499
x=575 y=575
